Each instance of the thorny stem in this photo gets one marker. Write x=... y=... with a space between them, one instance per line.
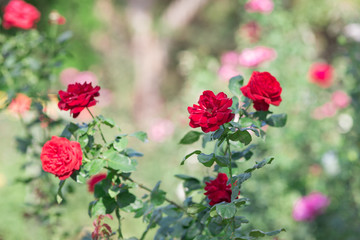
x=101 y=133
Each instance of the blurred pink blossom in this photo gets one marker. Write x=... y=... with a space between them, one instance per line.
x=20 y=104
x=229 y=58
x=72 y=75
x=261 y=6
x=310 y=206
x=251 y=31
x=325 y=111
x=321 y=74
x=105 y=97
x=160 y=130
x=340 y=99
x=227 y=71
x=252 y=57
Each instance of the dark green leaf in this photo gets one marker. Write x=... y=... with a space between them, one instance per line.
x=206 y=160
x=157 y=196
x=189 y=155
x=267 y=160
x=125 y=198
x=190 y=137
x=259 y=233
x=241 y=136
x=107 y=121
x=277 y=120
x=195 y=208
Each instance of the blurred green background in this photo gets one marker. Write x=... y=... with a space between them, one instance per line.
x=158 y=56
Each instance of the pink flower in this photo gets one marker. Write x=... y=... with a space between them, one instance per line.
x=309 y=207
x=252 y=57
x=261 y=6
x=72 y=75
x=20 y=104
x=321 y=74
x=340 y=99
x=251 y=31
x=230 y=58
x=325 y=111
x=161 y=130
x=227 y=71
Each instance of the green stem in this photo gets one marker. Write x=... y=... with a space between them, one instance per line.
x=101 y=133
x=119 y=222
x=231 y=178
x=149 y=190
x=144 y=234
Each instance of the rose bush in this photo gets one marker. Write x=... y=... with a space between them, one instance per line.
x=20 y=14
x=61 y=157
x=77 y=97
x=263 y=89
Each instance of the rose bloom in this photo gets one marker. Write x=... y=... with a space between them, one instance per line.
x=253 y=57
x=263 y=89
x=61 y=157
x=212 y=111
x=321 y=74
x=217 y=191
x=261 y=6
x=340 y=99
x=94 y=180
x=20 y=104
x=251 y=31
x=56 y=19
x=309 y=207
x=78 y=97
x=20 y=14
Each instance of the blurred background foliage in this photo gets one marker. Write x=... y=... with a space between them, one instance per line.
x=157 y=57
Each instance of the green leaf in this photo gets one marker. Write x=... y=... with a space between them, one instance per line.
x=189 y=155
x=226 y=210
x=119 y=161
x=235 y=83
x=59 y=196
x=259 y=233
x=107 y=121
x=241 y=136
x=95 y=166
x=83 y=140
x=190 y=137
x=125 y=198
x=235 y=104
x=206 y=160
x=157 y=196
x=195 y=208
x=277 y=120
x=241 y=201
x=98 y=208
x=120 y=144
x=142 y=136
x=267 y=160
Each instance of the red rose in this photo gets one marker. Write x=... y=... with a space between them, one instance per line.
x=61 y=157
x=94 y=180
x=20 y=14
x=212 y=111
x=321 y=74
x=263 y=89
x=77 y=97
x=217 y=190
